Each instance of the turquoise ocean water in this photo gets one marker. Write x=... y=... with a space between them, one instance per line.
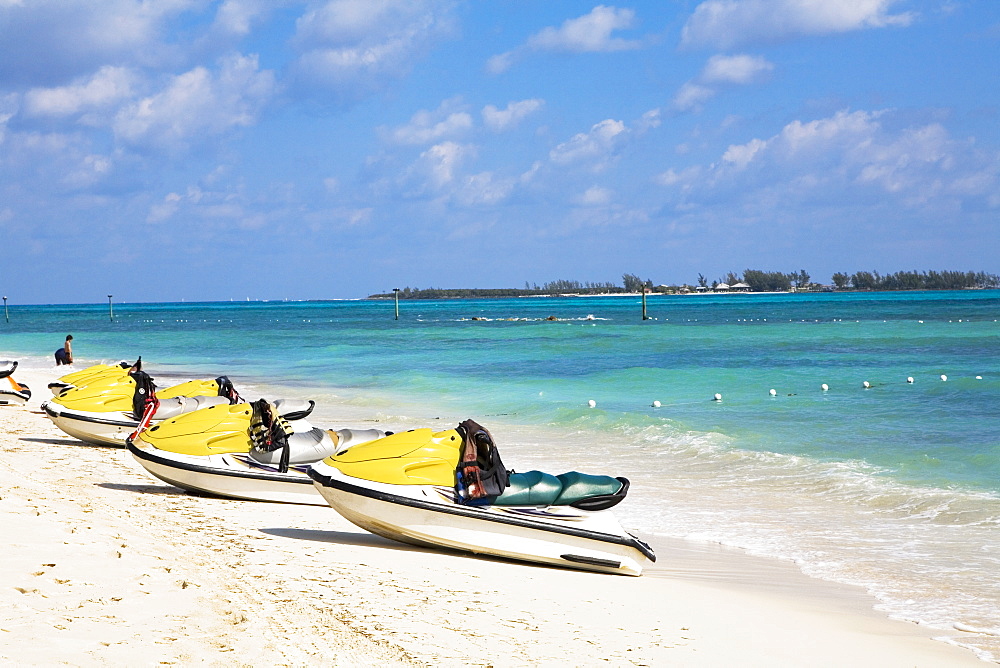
x=895 y=488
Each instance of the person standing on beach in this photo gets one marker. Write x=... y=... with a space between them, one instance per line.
x=65 y=354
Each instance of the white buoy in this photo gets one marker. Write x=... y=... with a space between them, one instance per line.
x=979 y=377
x=592 y=403
x=656 y=404
x=717 y=397
x=824 y=387
x=944 y=377
x=909 y=379
x=773 y=393
x=866 y=384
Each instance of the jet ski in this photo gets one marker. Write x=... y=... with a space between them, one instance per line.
x=12 y=393
x=259 y=451
x=106 y=410
x=449 y=489
x=90 y=374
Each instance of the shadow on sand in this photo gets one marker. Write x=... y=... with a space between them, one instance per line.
x=61 y=441
x=360 y=538
x=364 y=539
x=144 y=489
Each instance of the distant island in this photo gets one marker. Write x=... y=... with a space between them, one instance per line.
x=752 y=280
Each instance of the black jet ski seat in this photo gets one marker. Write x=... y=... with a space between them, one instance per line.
x=579 y=490
x=293 y=409
x=7 y=367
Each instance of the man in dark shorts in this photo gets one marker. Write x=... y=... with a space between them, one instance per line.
x=65 y=354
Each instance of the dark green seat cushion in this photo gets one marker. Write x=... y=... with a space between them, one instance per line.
x=535 y=488
x=579 y=486
x=532 y=488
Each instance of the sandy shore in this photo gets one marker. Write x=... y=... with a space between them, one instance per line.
x=102 y=564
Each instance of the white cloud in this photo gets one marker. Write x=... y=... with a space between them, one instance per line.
x=499 y=120
x=440 y=174
x=107 y=87
x=672 y=177
x=9 y=106
x=595 y=146
x=220 y=208
x=738 y=69
x=57 y=40
x=588 y=33
x=651 y=119
x=236 y=17
x=726 y=24
x=164 y=210
x=595 y=196
x=740 y=156
x=437 y=167
x=844 y=138
x=720 y=70
x=52 y=162
x=691 y=96
x=846 y=154
x=91 y=170
x=351 y=47
x=483 y=189
x=358 y=216
x=197 y=103
x=591 y=33
x=353 y=21
x=501 y=62
x=426 y=127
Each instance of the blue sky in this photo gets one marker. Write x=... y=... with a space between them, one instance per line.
x=195 y=150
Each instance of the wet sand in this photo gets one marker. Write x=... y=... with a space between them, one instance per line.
x=103 y=564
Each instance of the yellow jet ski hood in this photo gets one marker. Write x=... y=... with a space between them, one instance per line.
x=464 y=457
x=88 y=375
x=210 y=430
x=415 y=457
x=217 y=429
x=118 y=393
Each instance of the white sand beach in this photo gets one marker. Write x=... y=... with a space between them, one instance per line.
x=103 y=565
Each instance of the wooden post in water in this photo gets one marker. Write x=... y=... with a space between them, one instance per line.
x=111 y=310
x=5 y=316
x=644 y=316
x=395 y=292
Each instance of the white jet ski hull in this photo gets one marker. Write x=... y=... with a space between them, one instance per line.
x=427 y=515
x=233 y=475
x=103 y=428
x=13 y=397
